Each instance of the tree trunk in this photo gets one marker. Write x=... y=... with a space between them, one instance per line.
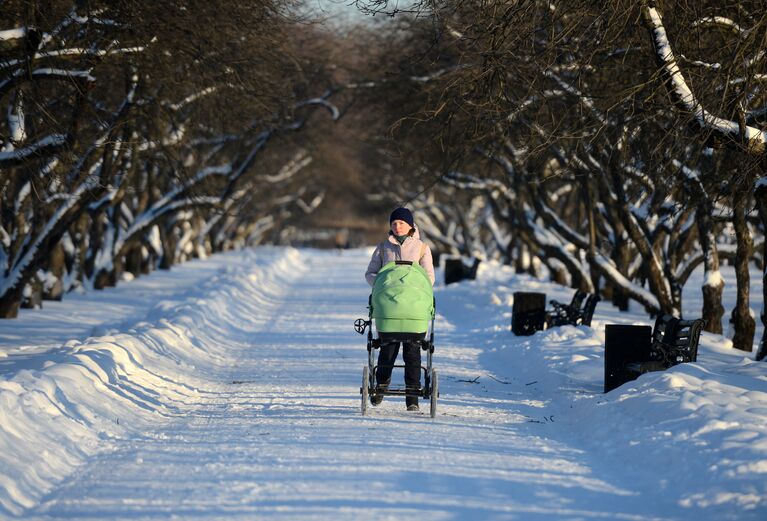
x=95 y=243
x=559 y=274
x=32 y=295
x=676 y=294
x=622 y=261
x=79 y=236
x=135 y=262
x=10 y=303
x=109 y=274
x=761 y=203
x=168 y=247
x=713 y=284
x=652 y=261
x=589 y=196
x=519 y=260
x=105 y=279
x=620 y=300
x=742 y=321
x=56 y=265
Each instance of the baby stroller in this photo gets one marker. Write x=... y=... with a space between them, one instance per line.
x=402 y=304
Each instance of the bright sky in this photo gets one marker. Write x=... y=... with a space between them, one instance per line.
x=344 y=12
x=340 y=12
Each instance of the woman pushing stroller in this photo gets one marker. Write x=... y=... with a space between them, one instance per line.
x=402 y=244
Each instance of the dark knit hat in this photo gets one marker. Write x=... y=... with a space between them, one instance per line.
x=402 y=214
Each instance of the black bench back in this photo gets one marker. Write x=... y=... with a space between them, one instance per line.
x=578 y=299
x=579 y=312
x=663 y=329
x=456 y=270
x=587 y=313
x=675 y=341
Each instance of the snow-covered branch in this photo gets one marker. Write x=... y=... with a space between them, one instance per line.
x=635 y=291
x=754 y=139
x=312 y=205
x=300 y=160
x=39 y=148
x=192 y=98
x=334 y=112
x=722 y=22
x=13 y=34
x=424 y=78
x=75 y=51
x=22 y=263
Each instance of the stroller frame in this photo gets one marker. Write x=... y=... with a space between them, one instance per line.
x=430 y=388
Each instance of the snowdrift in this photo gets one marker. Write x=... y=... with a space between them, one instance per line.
x=60 y=407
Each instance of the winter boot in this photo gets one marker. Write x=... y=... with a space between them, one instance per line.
x=376 y=398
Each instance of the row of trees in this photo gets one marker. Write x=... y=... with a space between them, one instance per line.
x=618 y=143
x=137 y=134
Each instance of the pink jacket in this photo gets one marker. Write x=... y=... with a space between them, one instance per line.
x=391 y=250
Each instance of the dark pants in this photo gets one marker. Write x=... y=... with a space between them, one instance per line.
x=411 y=353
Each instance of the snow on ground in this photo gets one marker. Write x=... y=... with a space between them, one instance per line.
x=229 y=389
x=80 y=316
x=696 y=433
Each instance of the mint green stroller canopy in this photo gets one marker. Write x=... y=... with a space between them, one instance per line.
x=403 y=299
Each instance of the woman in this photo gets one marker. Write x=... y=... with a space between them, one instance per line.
x=403 y=243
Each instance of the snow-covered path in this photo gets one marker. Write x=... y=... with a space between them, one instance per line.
x=282 y=434
x=270 y=427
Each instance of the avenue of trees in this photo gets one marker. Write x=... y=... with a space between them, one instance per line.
x=620 y=144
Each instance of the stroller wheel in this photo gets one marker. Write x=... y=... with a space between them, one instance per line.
x=434 y=393
x=364 y=390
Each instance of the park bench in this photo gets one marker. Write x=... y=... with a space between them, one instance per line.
x=578 y=312
x=631 y=351
x=529 y=312
x=456 y=270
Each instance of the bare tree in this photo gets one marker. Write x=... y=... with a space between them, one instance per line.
x=130 y=122
x=596 y=168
